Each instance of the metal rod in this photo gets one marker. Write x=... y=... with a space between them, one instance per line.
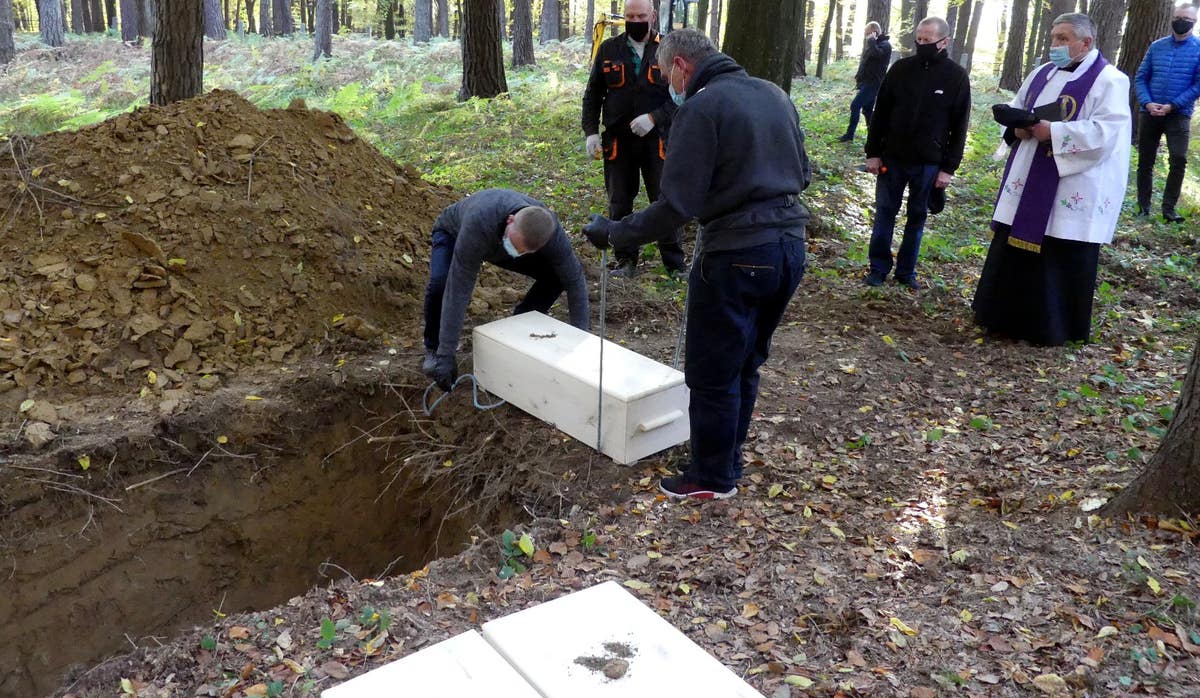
x=603 y=304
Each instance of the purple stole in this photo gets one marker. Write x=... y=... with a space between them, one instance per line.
x=1041 y=185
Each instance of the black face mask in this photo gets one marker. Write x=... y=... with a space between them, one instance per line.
x=637 y=30
x=1182 y=26
x=927 y=52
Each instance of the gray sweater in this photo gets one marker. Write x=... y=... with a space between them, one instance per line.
x=477 y=223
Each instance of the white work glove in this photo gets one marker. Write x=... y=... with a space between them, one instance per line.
x=593 y=146
x=642 y=125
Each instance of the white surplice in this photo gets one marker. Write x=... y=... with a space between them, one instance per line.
x=1091 y=151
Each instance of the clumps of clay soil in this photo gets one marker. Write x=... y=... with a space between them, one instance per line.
x=614 y=663
x=157 y=253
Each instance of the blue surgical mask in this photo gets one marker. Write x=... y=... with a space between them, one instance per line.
x=510 y=248
x=675 y=96
x=1061 y=56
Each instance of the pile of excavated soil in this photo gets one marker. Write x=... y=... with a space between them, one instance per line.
x=161 y=251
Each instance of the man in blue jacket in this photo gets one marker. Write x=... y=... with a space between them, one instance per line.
x=1167 y=83
x=735 y=161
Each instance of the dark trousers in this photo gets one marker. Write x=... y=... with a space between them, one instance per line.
x=546 y=289
x=1151 y=129
x=863 y=101
x=889 y=191
x=735 y=301
x=629 y=159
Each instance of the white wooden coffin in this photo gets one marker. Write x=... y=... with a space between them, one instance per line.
x=563 y=646
x=552 y=371
x=465 y=666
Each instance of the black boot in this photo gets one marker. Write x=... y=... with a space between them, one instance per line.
x=626 y=269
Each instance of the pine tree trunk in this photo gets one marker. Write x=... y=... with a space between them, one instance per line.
x=1013 y=73
x=879 y=11
x=214 y=27
x=1035 y=37
x=1108 y=15
x=96 y=16
x=482 y=52
x=149 y=17
x=8 y=48
x=1148 y=20
x=1170 y=484
x=839 y=51
x=264 y=17
x=906 y=18
x=702 y=15
x=972 y=32
x=1056 y=8
x=714 y=32
x=281 y=17
x=801 y=62
x=502 y=20
x=51 y=22
x=549 y=26
x=761 y=36
x=522 y=33
x=177 y=54
x=323 y=30
x=591 y=17
x=920 y=12
x=131 y=20
x=78 y=26
x=251 y=22
x=960 y=28
x=443 y=18
x=422 y=21
x=389 y=21
x=823 y=52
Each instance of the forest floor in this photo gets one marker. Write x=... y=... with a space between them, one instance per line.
x=918 y=513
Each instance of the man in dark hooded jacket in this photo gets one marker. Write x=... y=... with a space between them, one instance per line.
x=735 y=161
x=877 y=52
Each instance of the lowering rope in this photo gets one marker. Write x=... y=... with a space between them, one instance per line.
x=474 y=395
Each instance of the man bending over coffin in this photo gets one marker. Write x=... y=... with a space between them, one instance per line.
x=512 y=231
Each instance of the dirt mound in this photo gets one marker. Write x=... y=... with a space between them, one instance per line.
x=159 y=251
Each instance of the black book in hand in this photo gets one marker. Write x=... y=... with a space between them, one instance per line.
x=1049 y=112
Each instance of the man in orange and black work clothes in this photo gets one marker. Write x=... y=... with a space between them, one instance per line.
x=628 y=87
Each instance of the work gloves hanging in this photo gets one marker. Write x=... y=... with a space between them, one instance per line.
x=642 y=125
x=597 y=231
x=593 y=146
x=445 y=371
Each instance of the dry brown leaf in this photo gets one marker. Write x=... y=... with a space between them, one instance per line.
x=239 y=632
x=335 y=670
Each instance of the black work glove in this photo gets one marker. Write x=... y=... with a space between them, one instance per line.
x=445 y=371
x=597 y=231
x=1012 y=117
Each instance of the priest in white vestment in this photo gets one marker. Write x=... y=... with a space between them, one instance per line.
x=1060 y=195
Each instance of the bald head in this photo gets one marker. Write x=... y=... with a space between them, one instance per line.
x=639 y=11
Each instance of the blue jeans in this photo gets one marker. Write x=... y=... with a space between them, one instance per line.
x=889 y=190
x=735 y=301
x=863 y=101
x=546 y=289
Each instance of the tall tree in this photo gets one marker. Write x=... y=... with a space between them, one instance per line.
x=960 y=28
x=1055 y=8
x=591 y=17
x=110 y=6
x=839 y=43
x=823 y=52
x=443 y=19
x=78 y=23
x=131 y=20
x=8 y=49
x=801 y=61
x=714 y=31
x=95 y=16
x=214 y=23
x=51 y=22
x=762 y=37
x=548 y=31
x=702 y=15
x=522 y=33
x=385 y=15
x=281 y=16
x=1170 y=483
x=1148 y=20
x=1040 y=7
x=880 y=11
x=422 y=21
x=1108 y=16
x=998 y=56
x=502 y=20
x=323 y=30
x=972 y=32
x=264 y=17
x=1013 y=72
x=148 y=16
x=251 y=24
x=177 y=53
x=482 y=52
x=401 y=22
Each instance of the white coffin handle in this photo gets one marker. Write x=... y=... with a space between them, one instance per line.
x=660 y=422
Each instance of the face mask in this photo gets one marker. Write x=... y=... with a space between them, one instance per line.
x=928 y=52
x=1182 y=26
x=510 y=248
x=675 y=96
x=637 y=30
x=1060 y=56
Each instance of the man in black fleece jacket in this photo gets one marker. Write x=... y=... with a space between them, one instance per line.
x=735 y=161
x=915 y=139
x=512 y=231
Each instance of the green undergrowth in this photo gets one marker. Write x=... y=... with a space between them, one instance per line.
x=402 y=99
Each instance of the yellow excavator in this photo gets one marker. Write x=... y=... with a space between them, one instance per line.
x=672 y=14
